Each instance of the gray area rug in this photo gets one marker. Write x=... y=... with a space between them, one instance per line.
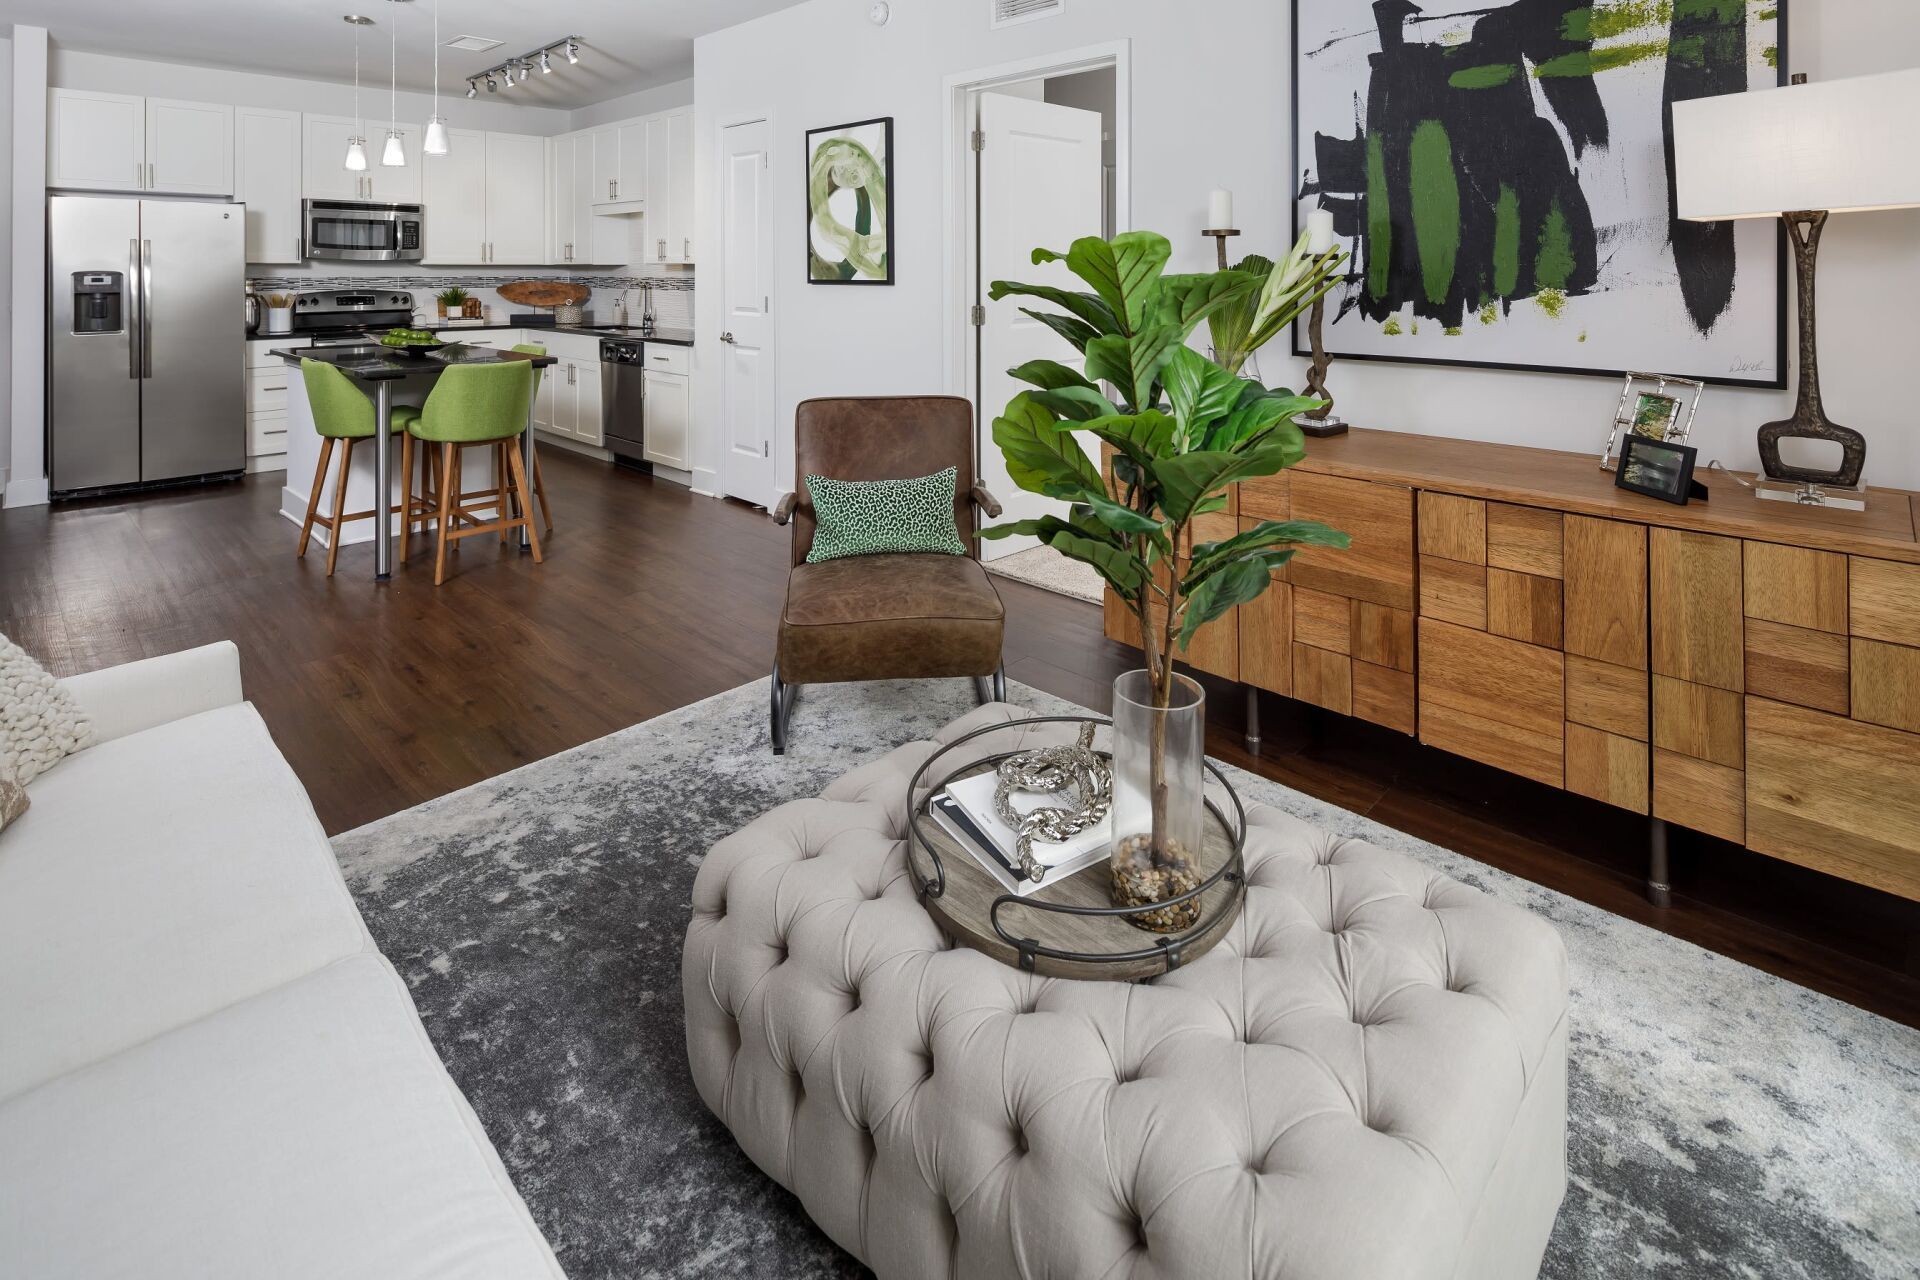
x=1047 y=569
x=1723 y=1123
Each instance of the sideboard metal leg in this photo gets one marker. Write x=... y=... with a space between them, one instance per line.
x=1659 y=882
x=1253 y=720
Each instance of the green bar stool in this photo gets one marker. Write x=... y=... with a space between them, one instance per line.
x=342 y=412
x=476 y=404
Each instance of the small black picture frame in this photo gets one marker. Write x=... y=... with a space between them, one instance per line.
x=864 y=137
x=1659 y=469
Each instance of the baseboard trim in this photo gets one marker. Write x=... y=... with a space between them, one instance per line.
x=24 y=493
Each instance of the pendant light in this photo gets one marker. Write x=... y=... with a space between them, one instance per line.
x=357 y=144
x=393 y=155
x=435 y=143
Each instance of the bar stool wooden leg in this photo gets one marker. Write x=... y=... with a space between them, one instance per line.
x=313 y=499
x=450 y=483
x=339 y=504
x=526 y=504
x=505 y=506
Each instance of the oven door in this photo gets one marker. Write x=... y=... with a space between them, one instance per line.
x=345 y=231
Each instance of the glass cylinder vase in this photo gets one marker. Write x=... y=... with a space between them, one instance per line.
x=1159 y=799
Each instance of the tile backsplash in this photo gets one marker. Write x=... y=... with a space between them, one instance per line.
x=672 y=293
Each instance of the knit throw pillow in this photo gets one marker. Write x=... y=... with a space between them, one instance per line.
x=40 y=723
x=13 y=798
x=877 y=517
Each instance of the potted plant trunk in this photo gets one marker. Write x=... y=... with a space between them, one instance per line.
x=1179 y=432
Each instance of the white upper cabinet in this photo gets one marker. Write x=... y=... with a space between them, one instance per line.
x=396 y=184
x=122 y=142
x=328 y=177
x=266 y=176
x=516 y=199
x=96 y=141
x=682 y=196
x=560 y=194
x=668 y=234
x=578 y=234
x=189 y=147
x=454 y=189
x=487 y=200
x=620 y=166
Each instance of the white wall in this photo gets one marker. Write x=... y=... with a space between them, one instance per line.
x=27 y=292
x=1211 y=108
x=106 y=73
x=662 y=97
x=6 y=253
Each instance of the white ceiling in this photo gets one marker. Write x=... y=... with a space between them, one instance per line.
x=630 y=44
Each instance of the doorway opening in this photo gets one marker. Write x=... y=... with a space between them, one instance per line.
x=1040 y=160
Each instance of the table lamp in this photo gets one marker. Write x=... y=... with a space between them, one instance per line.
x=1799 y=154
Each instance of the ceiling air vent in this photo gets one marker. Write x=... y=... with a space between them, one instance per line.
x=1007 y=13
x=474 y=44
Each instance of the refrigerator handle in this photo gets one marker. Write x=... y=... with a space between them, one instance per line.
x=132 y=291
x=146 y=308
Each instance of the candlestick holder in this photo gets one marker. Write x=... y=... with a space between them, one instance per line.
x=1220 y=238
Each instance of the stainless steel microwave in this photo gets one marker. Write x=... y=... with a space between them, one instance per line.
x=355 y=231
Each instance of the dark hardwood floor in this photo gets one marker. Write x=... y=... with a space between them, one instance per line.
x=651 y=598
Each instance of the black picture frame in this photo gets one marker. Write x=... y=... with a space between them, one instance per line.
x=1658 y=469
x=806 y=196
x=1783 y=267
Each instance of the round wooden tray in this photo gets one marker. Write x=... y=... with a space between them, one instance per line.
x=1071 y=929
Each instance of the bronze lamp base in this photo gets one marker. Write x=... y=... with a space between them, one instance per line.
x=1809 y=420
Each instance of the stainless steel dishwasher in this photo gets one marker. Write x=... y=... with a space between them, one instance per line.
x=623 y=401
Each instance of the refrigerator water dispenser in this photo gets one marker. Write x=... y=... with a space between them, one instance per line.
x=96 y=301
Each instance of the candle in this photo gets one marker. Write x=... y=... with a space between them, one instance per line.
x=1320 y=237
x=1220 y=211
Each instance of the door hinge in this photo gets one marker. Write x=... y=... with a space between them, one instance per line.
x=979 y=140
x=977 y=314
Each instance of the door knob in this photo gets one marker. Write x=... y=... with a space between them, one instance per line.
x=726 y=337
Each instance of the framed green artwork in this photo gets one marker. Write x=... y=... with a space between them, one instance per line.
x=850 y=203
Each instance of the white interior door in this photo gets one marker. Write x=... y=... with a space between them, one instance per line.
x=746 y=291
x=1040 y=185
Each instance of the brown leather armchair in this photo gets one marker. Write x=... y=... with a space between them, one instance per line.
x=885 y=617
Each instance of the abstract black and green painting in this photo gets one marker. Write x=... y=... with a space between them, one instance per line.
x=850 y=203
x=1501 y=171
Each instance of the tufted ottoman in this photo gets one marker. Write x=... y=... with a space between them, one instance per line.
x=1366 y=1078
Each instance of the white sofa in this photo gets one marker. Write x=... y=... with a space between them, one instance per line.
x=206 y=1068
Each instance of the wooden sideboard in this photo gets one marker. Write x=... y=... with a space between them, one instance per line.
x=1741 y=667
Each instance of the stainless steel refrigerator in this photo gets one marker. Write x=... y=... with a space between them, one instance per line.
x=146 y=341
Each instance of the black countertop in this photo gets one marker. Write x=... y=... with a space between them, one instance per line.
x=668 y=337
x=371 y=362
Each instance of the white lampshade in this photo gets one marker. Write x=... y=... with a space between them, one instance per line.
x=1841 y=146
x=393 y=153
x=435 y=143
x=357 y=154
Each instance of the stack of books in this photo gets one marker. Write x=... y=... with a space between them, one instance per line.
x=965 y=810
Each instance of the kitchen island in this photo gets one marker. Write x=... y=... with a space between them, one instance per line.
x=391 y=377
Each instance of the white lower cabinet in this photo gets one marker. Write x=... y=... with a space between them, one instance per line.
x=669 y=416
x=568 y=403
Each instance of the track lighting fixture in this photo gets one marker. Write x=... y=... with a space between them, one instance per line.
x=491 y=86
x=519 y=70
x=473 y=90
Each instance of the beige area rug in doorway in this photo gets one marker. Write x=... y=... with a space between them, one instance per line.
x=1046 y=568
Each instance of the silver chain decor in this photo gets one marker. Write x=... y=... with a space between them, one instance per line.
x=1053 y=771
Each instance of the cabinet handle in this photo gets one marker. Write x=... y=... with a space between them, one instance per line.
x=610 y=185
x=686 y=248
x=663 y=249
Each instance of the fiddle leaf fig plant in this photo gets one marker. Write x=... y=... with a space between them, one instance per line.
x=1182 y=431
